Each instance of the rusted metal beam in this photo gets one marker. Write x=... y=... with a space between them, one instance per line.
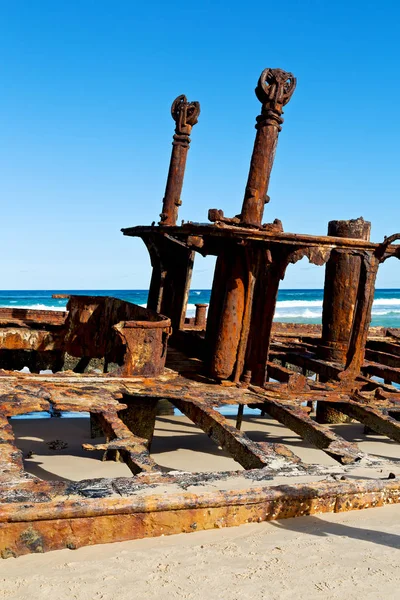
x=282 y=374
x=373 y=418
x=274 y=89
x=185 y=115
x=383 y=358
x=378 y=370
x=76 y=522
x=295 y=419
x=200 y=318
x=309 y=361
x=382 y=346
x=250 y=455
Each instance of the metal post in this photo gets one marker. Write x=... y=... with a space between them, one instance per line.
x=200 y=318
x=231 y=304
x=274 y=89
x=185 y=115
x=341 y=299
x=342 y=277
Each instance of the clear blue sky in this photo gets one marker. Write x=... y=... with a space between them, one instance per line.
x=86 y=131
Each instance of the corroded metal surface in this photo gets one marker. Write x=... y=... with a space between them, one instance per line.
x=185 y=115
x=124 y=515
x=342 y=277
x=111 y=359
x=274 y=89
x=130 y=337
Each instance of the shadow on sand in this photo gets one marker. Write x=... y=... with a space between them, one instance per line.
x=319 y=527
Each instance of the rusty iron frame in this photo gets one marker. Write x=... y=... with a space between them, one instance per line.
x=237 y=356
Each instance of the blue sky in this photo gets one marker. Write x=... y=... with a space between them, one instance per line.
x=86 y=129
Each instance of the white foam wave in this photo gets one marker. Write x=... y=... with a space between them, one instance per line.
x=315 y=303
x=387 y=302
x=389 y=311
x=34 y=307
x=293 y=303
x=300 y=314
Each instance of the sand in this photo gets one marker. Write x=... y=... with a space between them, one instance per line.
x=351 y=555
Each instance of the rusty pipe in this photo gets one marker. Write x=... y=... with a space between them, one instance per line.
x=185 y=115
x=200 y=319
x=274 y=89
x=342 y=277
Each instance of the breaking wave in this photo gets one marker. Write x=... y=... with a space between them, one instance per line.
x=40 y=307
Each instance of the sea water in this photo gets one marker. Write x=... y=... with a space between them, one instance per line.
x=297 y=306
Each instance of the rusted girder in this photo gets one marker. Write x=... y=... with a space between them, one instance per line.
x=276 y=457
x=122 y=445
x=383 y=358
x=172 y=263
x=200 y=319
x=374 y=418
x=274 y=89
x=382 y=370
x=185 y=115
x=295 y=419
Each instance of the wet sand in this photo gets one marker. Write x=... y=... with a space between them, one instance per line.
x=350 y=555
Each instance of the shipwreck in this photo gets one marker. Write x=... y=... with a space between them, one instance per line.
x=304 y=376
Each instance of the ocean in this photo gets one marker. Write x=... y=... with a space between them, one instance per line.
x=297 y=306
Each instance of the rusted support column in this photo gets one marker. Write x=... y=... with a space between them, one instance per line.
x=185 y=115
x=341 y=290
x=274 y=89
x=172 y=264
x=122 y=445
x=239 y=418
x=231 y=304
x=362 y=316
x=95 y=427
x=200 y=318
x=271 y=271
x=342 y=276
x=216 y=306
x=229 y=316
x=229 y=325
x=140 y=417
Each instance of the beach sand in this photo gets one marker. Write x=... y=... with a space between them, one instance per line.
x=351 y=555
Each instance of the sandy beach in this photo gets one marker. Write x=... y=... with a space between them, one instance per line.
x=324 y=556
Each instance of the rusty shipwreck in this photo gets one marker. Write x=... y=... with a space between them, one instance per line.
x=234 y=355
